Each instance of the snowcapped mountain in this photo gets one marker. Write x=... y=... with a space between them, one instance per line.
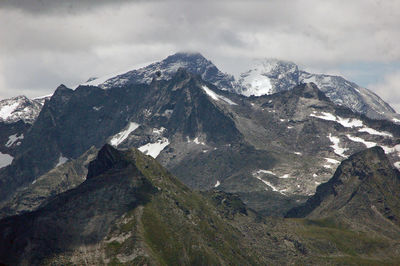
x=271 y=76
x=17 y=115
x=193 y=62
x=189 y=124
x=20 y=108
x=268 y=77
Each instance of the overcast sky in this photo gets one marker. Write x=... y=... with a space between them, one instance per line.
x=44 y=43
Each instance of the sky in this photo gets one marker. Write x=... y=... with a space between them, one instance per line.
x=45 y=43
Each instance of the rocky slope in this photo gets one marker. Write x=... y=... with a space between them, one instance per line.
x=63 y=177
x=271 y=76
x=130 y=210
x=364 y=191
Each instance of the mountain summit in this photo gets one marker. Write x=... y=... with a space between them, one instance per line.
x=193 y=62
x=270 y=76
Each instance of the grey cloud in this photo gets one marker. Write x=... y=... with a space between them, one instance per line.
x=61 y=7
x=57 y=41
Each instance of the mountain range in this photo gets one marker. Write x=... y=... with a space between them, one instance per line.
x=238 y=154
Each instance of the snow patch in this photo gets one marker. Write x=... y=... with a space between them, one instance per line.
x=285 y=176
x=217 y=184
x=154 y=149
x=397 y=165
x=5 y=159
x=375 y=132
x=255 y=83
x=97 y=108
x=159 y=131
x=332 y=161
x=7 y=110
x=168 y=112
x=346 y=122
x=396 y=120
x=121 y=136
x=261 y=171
x=257 y=174
x=217 y=97
x=13 y=138
x=391 y=149
x=61 y=160
x=368 y=144
x=336 y=147
x=298 y=153
x=196 y=141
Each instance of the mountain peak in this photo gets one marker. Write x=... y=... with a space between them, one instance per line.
x=193 y=62
x=19 y=108
x=107 y=158
x=268 y=76
x=186 y=55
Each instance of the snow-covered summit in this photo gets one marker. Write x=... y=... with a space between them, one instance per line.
x=165 y=69
x=267 y=77
x=20 y=108
x=271 y=76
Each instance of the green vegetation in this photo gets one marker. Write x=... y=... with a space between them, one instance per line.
x=336 y=243
x=113 y=248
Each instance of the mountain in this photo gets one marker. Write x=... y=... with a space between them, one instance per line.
x=193 y=62
x=17 y=115
x=265 y=77
x=63 y=177
x=364 y=190
x=129 y=209
x=271 y=76
x=20 y=108
x=257 y=147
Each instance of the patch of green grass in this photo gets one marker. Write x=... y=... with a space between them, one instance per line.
x=351 y=260
x=328 y=237
x=129 y=226
x=113 y=248
x=115 y=262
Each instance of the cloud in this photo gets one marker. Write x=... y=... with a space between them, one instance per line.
x=56 y=41
x=389 y=89
x=39 y=7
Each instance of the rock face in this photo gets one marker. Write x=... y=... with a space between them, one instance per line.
x=364 y=189
x=271 y=76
